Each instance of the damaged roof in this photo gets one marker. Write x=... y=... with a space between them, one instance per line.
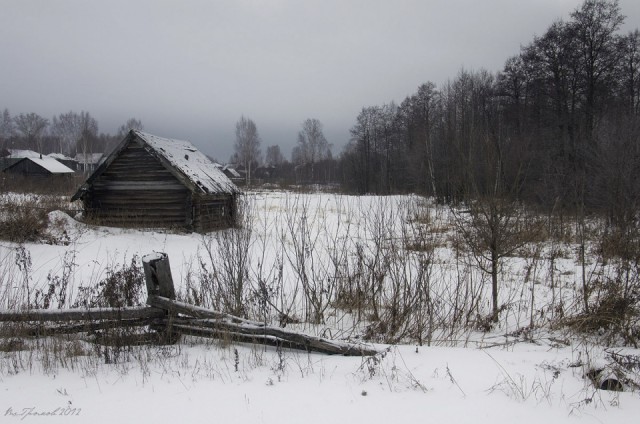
x=184 y=157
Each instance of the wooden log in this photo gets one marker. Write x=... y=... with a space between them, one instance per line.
x=34 y=329
x=228 y=325
x=158 y=275
x=270 y=336
x=191 y=330
x=177 y=307
x=81 y=314
x=605 y=379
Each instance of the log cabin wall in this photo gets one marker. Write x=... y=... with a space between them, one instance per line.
x=213 y=212
x=137 y=190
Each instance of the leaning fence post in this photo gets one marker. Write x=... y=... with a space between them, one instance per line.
x=157 y=274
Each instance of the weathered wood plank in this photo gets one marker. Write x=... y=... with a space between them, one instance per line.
x=157 y=273
x=38 y=329
x=177 y=307
x=138 y=185
x=196 y=331
x=153 y=207
x=147 y=175
x=138 y=216
x=269 y=335
x=80 y=314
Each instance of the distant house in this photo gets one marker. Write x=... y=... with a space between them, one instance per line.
x=10 y=156
x=158 y=182
x=69 y=162
x=38 y=167
x=230 y=172
x=88 y=162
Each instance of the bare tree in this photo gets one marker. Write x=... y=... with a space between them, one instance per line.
x=88 y=135
x=131 y=124
x=247 y=146
x=32 y=127
x=75 y=132
x=65 y=127
x=274 y=156
x=422 y=113
x=360 y=146
x=312 y=144
x=630 y=72
x=7 y=127
x=594 y=27
x=493 y=230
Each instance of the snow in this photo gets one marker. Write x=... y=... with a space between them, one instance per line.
x=152 y=257
x=473 y=377
x=195 y=384
x=185 y=157
x=52 y=165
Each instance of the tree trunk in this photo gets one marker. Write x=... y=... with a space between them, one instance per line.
x=494 y=283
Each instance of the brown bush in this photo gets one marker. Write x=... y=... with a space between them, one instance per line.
x=22 y=222
x=123 y=287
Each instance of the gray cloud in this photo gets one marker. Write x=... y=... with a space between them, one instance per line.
x=188 y=69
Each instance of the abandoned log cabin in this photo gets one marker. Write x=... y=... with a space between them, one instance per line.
x=150 y=181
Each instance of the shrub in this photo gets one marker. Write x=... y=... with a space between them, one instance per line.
x=22 y=222
x=122 y=287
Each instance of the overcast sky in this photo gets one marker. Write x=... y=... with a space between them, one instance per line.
x=189 y=69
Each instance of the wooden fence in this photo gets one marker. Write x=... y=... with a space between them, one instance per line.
x=169 y=319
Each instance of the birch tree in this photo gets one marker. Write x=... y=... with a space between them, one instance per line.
x=247 y=146
x=312 y=144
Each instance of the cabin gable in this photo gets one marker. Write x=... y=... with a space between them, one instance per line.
x=135 y=189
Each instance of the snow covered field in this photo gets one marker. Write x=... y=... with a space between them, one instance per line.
x=303 y=255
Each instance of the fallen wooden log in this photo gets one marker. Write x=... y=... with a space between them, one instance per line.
x=197 y=331
x=38 y=329
x=81 y=314
x=218 y=324
x=224 y=331
x=176 y=307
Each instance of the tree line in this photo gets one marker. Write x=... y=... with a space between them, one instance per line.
x=558 y=126
x=67 y=133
